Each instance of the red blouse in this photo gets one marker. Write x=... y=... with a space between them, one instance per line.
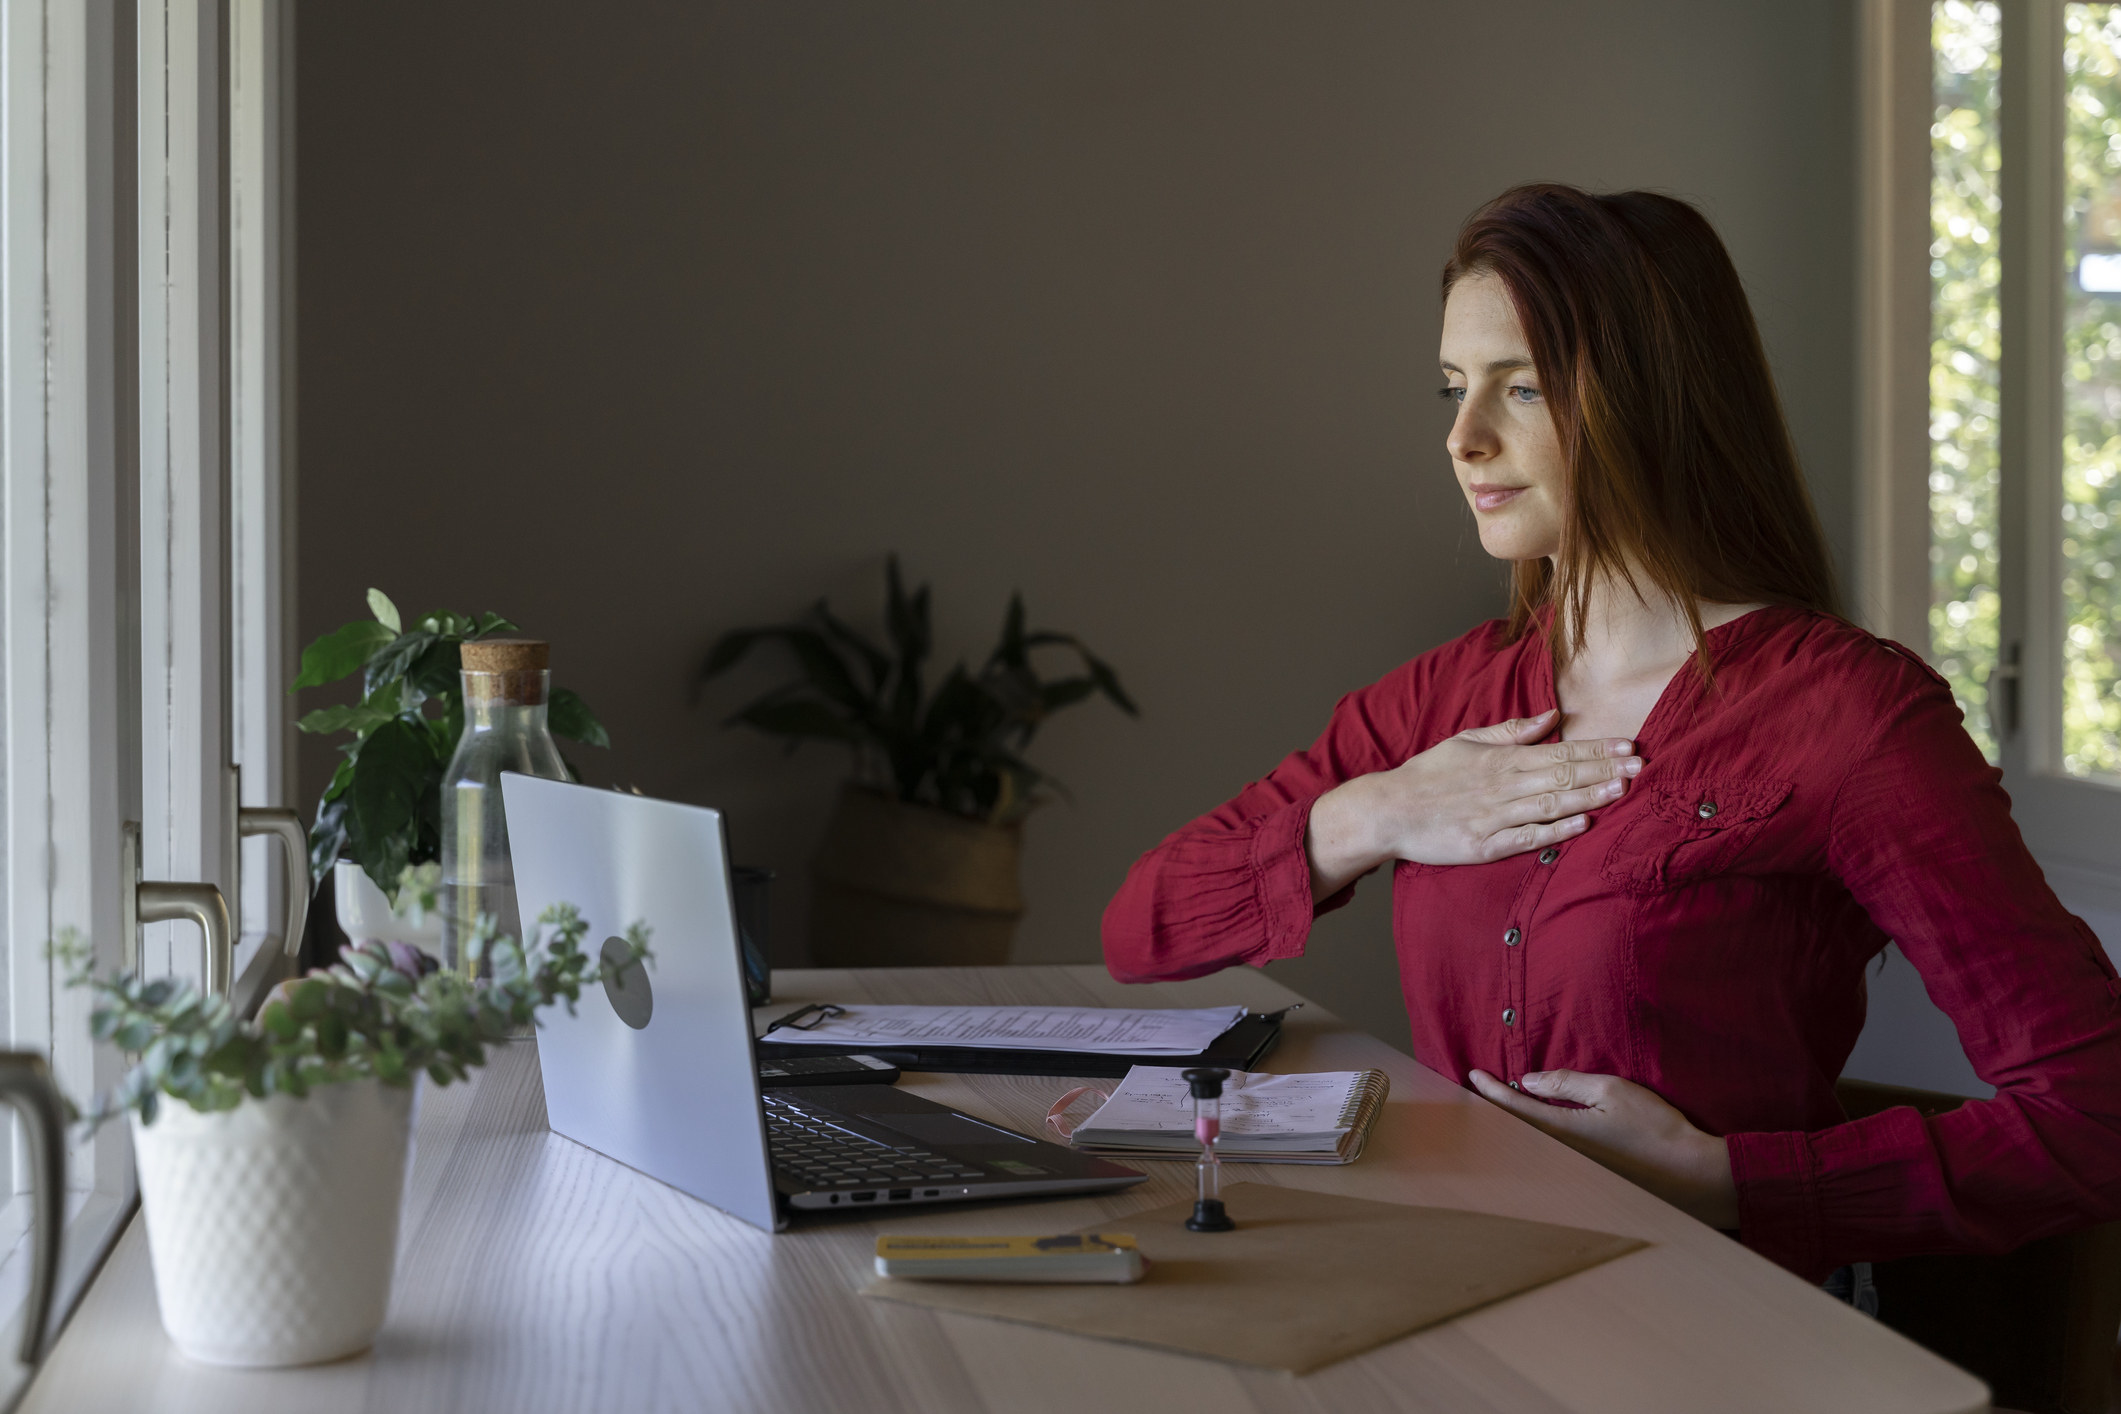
x=1707 y=937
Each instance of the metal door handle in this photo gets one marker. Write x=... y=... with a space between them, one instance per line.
x=286 y=827
x=152 y=902
x=2001 y=689
x=201 y=904
x=26 y=1083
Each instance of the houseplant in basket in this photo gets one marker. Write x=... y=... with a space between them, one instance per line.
x=379 y=824
x=920 y=862
x=273 y=1151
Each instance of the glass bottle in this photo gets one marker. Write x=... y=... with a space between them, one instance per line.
x=506 y=684
x=1209 y=1214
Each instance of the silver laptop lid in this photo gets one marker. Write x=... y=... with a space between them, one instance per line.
x=660 y=1078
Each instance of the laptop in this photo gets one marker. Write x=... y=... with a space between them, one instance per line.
x=658 y=1072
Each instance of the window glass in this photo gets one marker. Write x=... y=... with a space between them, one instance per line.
x=2091 y=382
x=1965 y=329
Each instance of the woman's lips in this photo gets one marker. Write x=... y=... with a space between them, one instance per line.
x=1489 y=498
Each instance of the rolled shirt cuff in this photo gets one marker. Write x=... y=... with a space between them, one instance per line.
x=1281 y=879
x=1778 y=1200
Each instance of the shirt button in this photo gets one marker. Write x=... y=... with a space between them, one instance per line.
x=1509 y=1016
x=1512 y=938
x=1707 y=810
x=1548 y=856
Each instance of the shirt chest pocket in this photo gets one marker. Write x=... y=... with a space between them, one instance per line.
x=1684 y=831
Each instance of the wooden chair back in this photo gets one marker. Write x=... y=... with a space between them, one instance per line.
x=2039 y=1324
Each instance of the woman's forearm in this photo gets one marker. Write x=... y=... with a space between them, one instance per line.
x=1345 y=841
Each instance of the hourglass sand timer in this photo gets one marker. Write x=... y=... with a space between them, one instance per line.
x=1208 y=1214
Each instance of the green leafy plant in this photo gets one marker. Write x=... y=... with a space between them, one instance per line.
x=960 y=747
x=383 y=808
x=385 y=1011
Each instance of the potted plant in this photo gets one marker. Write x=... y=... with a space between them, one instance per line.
x=379 y=824
x=921 y=860
x=273 y=1152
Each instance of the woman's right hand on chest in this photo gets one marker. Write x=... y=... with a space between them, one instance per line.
x=1478 y=796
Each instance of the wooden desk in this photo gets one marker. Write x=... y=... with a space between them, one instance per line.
x=537 y=1275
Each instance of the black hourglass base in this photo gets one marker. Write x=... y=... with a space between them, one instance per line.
x=1208 y=1216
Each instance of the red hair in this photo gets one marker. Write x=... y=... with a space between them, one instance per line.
x=1679 y=467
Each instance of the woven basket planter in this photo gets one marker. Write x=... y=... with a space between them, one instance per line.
x=899 y=885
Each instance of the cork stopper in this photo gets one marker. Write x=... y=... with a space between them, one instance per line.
x=511 y=671
x=507 y=655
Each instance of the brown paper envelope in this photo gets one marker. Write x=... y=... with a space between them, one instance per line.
x=1306 y=1279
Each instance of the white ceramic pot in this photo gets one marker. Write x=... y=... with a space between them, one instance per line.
x=274 y=1226
x=364 y=912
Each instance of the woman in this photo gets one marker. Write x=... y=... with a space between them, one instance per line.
x=1646 y=834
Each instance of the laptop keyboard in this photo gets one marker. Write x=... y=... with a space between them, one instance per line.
x=816 y=1155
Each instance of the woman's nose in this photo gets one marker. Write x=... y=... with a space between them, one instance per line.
x=1471 y=439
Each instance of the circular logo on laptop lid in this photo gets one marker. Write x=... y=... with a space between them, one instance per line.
x=628 y=991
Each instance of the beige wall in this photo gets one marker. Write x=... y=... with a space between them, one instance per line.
x=639 y=322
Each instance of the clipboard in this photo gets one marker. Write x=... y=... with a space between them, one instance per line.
x=1242 y=1047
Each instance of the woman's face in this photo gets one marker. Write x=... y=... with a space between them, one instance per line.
x=1503 y=445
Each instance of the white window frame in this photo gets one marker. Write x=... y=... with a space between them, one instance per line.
x=71 y=704
x=214 y=230
x=1893 y=323
x=261 y=423
x=144 y=510
x=2072 y=825
x=186 y=656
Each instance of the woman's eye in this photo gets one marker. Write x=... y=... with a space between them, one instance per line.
x=1451 y=395
x=1524 y=394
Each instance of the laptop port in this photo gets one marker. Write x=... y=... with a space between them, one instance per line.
x=929 y=1193
x=863 y=1197
x=900 y=1195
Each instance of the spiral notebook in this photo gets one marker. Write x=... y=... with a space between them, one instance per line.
x=1321 y=1118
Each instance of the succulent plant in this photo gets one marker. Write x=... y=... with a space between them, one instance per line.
x=384 y=1010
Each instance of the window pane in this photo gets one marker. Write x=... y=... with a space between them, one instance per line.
x=1965 y=324
x=2091 y=379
